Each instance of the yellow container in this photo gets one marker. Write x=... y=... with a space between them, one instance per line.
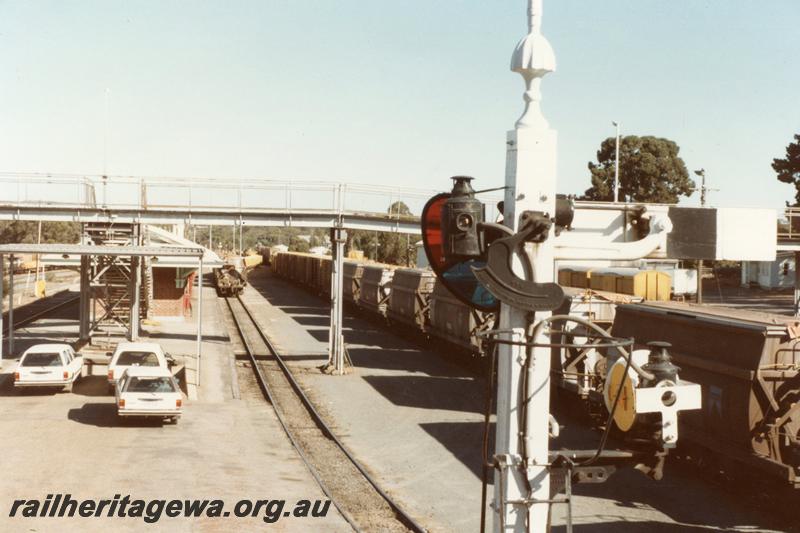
x=564 y=277
x=580 y=277
x=355 y=254
x=647 y=284
x=252 y=260
x=603 y=281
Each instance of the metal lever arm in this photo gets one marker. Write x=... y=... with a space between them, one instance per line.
x=498 y=275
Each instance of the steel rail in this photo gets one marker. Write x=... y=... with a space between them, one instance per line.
x=44 y=312
x=262 y=384
x=401 y=515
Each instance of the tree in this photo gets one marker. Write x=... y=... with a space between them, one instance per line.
x=650 y=170
x=296 y=244
x=788 y=169
x=256 y=236
x=27 y=232
x=386 y=247
x=394 y=248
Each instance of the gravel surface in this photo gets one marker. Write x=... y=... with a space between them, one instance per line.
x=349 y=489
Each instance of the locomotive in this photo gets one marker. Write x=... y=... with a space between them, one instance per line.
x=229 y=281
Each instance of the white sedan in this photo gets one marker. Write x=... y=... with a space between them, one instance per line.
x=132 y=355
x=148 y=392
x=48 y=365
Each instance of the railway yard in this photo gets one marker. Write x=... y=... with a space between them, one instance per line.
x=394 y=443
x=320 y=266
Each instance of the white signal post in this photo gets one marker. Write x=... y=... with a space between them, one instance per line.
x=531 y=186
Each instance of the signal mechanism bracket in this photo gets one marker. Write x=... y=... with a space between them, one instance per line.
x=499 y=278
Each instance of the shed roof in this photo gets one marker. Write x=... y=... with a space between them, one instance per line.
x=88 y=249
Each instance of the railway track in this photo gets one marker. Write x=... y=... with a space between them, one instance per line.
x=349 y=486
x=34 y=311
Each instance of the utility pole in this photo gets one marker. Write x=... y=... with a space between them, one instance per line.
x=105 y=134
x=703 y=190
x=106 y=129
x=702 y=174
x=38 y=256
x=521 y=491
x=616 y=166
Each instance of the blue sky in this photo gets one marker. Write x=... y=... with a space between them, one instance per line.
x=387 y=92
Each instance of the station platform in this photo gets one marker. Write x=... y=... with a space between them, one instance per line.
x=415 y=420
x=228 y=445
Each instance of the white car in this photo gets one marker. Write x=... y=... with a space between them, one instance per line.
x=48 y=365
x=148 y=392
x=135 y=354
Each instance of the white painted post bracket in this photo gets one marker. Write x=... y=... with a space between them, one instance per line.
x=668 y=400
x=531 y=186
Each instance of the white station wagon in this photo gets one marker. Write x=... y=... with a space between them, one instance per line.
x=48 y=365
x=135 y=354
x=149 y=392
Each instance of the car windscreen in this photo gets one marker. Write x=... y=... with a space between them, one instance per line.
x=41 y=359
x=145 y=384
x=137 y=359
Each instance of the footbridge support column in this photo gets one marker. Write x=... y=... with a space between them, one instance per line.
x=86 y=300
x=135 y=302
x=336 y=354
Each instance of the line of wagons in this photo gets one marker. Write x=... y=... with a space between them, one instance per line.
x=747 y=363
x=409 y=298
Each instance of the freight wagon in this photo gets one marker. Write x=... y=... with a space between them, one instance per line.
x=406 y=297
x=410 y=300
x=748 y=365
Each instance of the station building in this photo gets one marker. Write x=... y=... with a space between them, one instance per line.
x=167 y=282
x=770 y=275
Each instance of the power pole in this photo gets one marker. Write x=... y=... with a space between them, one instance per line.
x=521 y=491
x=616 y=165
x=703 y=190
x=38 y=256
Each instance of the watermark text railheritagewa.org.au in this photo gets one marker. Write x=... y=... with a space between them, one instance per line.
x=153 y=510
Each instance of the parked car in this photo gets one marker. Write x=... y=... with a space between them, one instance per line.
x=48 y=365
x=148 y=391
x=135 y=354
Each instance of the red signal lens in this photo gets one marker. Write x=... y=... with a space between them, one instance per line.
x=432 y=230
